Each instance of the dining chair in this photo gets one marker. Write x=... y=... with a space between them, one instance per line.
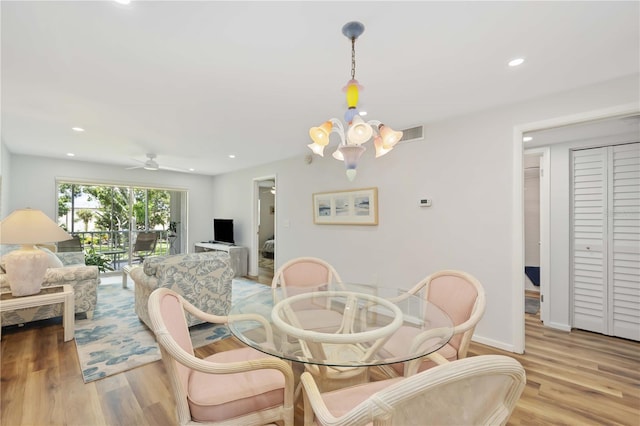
x=459 y=295
x=239 y=386
x=313 y=273
x=305 y=272
x=480 y=390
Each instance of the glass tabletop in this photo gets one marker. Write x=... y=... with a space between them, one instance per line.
x=341 y=324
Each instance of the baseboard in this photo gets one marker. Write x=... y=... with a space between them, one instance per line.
x=493 y=343
x=557 y=326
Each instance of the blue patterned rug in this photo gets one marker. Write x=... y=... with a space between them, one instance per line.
x=115 y=340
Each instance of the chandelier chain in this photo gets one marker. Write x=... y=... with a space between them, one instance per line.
x=353 y=58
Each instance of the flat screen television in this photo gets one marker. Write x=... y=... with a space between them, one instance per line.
x=223 y=231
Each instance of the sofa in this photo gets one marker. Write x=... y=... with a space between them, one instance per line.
x=204 y=279
x=84 y=280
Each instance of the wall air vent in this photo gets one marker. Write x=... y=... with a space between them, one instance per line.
x=412 y=134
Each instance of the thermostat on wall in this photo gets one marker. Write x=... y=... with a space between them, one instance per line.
x=424 y=202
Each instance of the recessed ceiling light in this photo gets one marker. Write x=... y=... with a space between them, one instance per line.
x=232 y=156
x=527 y=139
x=363 y=113
x=192 y=169
x=77 y=129
x=515 y=62
x=70 y=154
x=123 y=1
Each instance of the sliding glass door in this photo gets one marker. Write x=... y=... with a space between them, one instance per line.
x=108 y=219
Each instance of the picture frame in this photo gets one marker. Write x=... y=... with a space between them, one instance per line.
x=350 y=207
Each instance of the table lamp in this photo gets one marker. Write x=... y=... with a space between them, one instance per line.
x=27 y=266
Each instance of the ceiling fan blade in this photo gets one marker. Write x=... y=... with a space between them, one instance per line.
x=134 y=167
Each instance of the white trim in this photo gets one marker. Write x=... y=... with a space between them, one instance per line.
x=494 y=343
x=517 y=243
x=583 y=117
x=558 y=326
x=116 y=182
x=517 y=219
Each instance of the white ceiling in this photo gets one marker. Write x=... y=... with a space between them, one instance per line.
x=196 y=81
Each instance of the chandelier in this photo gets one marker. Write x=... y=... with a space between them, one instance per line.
x=358 y=131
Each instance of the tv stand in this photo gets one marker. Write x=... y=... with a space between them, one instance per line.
x=239 y=255
x=220 y=242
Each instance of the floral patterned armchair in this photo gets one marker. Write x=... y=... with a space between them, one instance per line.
x=84 y=280
x=203 y=279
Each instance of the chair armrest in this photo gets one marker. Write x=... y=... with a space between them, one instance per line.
x=70 y=274
x=220 y=319
x=313 y=402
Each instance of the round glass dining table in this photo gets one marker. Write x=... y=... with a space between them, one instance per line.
x=342 y=325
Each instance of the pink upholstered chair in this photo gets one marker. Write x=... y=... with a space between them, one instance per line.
x=240 y=386
x=313 y=273
x=481 y=390
x=462 y=297
x=309 y=273
x=305 y=272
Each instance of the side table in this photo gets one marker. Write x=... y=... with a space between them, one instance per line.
x=47 y=296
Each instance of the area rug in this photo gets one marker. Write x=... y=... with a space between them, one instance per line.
x=531 y=305
x=115 y=340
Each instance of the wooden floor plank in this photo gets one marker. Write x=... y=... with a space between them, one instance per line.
x=574 y=378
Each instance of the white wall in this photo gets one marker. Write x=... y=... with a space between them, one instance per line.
x=32 y=183
x=5 y=172
x=466 y=165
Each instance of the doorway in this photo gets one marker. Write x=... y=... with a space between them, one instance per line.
x=264 y=228
x=558 y=306
x=537 y=193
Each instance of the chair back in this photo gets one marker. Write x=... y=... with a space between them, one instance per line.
x=72 y=245
x=481 y=390
x=250 y=388
x=145 y=243
x=170 y=327
x=305 y=272
x=462 y=297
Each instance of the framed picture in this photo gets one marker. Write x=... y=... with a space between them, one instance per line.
x=353 y=207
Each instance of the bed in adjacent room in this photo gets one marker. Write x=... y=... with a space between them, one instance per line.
x=269 y=248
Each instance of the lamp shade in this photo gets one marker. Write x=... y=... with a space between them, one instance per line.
x=317 y=149
x=389 y=136
x=320 y=134
x=380 y=149
x=359 y=132
x=29 y=226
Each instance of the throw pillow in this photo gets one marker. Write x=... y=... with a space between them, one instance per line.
x=54 y=261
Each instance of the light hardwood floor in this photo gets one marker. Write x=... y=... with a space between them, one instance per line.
x=576 y=378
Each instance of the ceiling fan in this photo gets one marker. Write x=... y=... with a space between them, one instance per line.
x=152 y=164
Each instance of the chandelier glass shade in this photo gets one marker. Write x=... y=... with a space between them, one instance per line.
x=358 y=132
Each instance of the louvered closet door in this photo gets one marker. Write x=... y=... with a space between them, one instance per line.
x=589 y=272
x=624 y=248
x=606 y=240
